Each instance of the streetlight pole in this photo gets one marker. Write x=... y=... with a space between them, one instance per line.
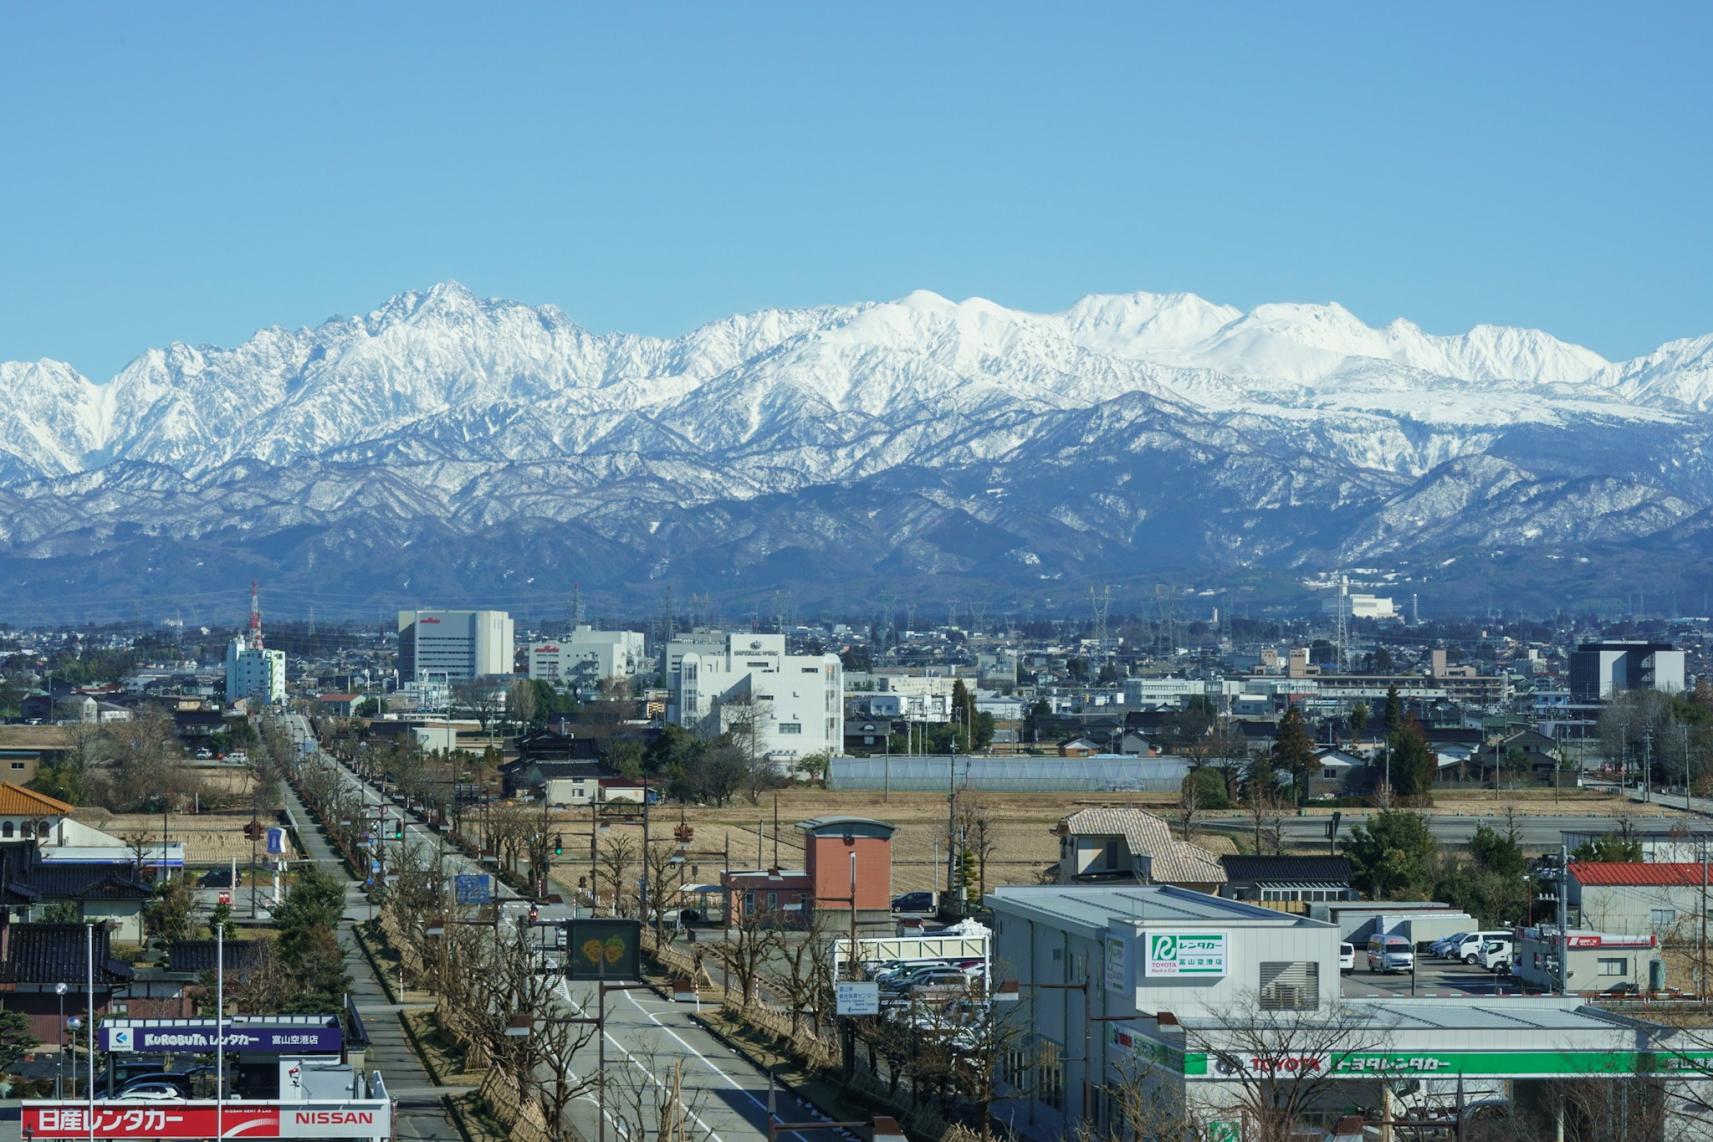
x=59 y=1066
x=523 y=1025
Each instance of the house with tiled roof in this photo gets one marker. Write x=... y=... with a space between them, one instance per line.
x=26 y=815
x=35 y=957
x=1130 y=846
x=1638 y=897
x=109 y=893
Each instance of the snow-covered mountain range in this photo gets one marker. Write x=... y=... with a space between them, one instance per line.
x=449 y=443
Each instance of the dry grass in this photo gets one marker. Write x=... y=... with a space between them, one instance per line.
x=209 y=838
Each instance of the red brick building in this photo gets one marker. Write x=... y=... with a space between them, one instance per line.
x=823 y=884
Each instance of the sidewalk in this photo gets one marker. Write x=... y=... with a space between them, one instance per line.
x=422 y=1113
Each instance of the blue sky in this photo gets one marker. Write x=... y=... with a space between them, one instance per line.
x=197 y=172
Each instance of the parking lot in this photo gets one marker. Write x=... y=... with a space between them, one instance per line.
x=1431 y=977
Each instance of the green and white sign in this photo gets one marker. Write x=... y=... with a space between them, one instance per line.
x=1184 y=955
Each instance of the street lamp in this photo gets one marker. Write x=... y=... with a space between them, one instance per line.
x=522 y=1026
x=59 y=1065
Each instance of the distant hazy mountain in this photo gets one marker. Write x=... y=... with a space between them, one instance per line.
x=444 y=445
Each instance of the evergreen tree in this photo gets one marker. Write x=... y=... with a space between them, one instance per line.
x=1394 y=711
x=1413 y=762
x=1293 y=752
x=1392 y=856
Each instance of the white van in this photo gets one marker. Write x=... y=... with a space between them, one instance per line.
x=1390 y=953
x=1469 y=948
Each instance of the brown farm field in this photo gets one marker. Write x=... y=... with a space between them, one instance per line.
x=1023 y=823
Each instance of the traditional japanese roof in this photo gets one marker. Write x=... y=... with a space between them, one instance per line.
x=1172 y=861
x=56 y=953
x=1291 y=869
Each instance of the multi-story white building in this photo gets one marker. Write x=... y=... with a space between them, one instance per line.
x=454 y=645
x=795 y=702
x=254 y=674
x=588 y=656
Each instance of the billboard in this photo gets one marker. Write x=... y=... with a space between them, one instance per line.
x=603 y=949
x=1184 y=955
x=369 y=1118
x=276 y=1039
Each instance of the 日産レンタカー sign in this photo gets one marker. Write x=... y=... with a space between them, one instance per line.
x=1184 y=954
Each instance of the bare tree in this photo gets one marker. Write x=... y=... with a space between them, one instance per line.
x=980 y=835
x=665 y=876
x=613 y=861
x=749 y=944
x=1277 y=1061
x=521 y=703
x=802 y=972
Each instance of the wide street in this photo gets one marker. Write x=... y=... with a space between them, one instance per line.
x=1536 y=832
x=648 y=1038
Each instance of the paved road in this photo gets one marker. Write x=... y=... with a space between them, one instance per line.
x=421 y=1113
x=647 y=1038
x=1536 y=832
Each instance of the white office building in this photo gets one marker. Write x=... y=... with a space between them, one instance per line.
x=254 y=674
x=454 y=645
x=588 y=656
x=795 y=702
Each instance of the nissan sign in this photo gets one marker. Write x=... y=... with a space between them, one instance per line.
x=368 y=1118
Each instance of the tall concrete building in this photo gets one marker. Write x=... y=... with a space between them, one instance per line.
x=587 y=656
x=1600 y=671
x=253 y=673
x=795 y=702
x=454 y=645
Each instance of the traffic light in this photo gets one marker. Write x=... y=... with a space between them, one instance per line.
x=558 y=844
x=398 y=828
x=534 y=914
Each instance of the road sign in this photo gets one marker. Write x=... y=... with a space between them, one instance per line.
x=368 y=1118
x=276 y=842
x=225 y=897
x=855 y=997
x=473 y=888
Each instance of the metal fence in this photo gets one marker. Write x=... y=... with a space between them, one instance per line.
x=1101 y=774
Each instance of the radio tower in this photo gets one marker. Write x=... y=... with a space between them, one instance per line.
x=1099 y=603
x=1343 y=622
x=255 y=617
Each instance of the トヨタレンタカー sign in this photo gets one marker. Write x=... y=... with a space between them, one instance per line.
x=1184 y=954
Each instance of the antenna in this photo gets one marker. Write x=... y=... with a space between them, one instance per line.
x=1100 y=603
x=1343 y=622
x=255 y=617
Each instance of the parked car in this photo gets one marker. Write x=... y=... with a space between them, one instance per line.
x=151 y=1092
x=901 y=979
x=1346 y=958
x=945 y=981
x=204 y=754
x=1469 y=948
x=1442 y=946
x=219 y=878
x=913 y=902
x=1390 y=954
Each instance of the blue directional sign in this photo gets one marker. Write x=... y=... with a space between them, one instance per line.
x=276 y=842
x=473 y=888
